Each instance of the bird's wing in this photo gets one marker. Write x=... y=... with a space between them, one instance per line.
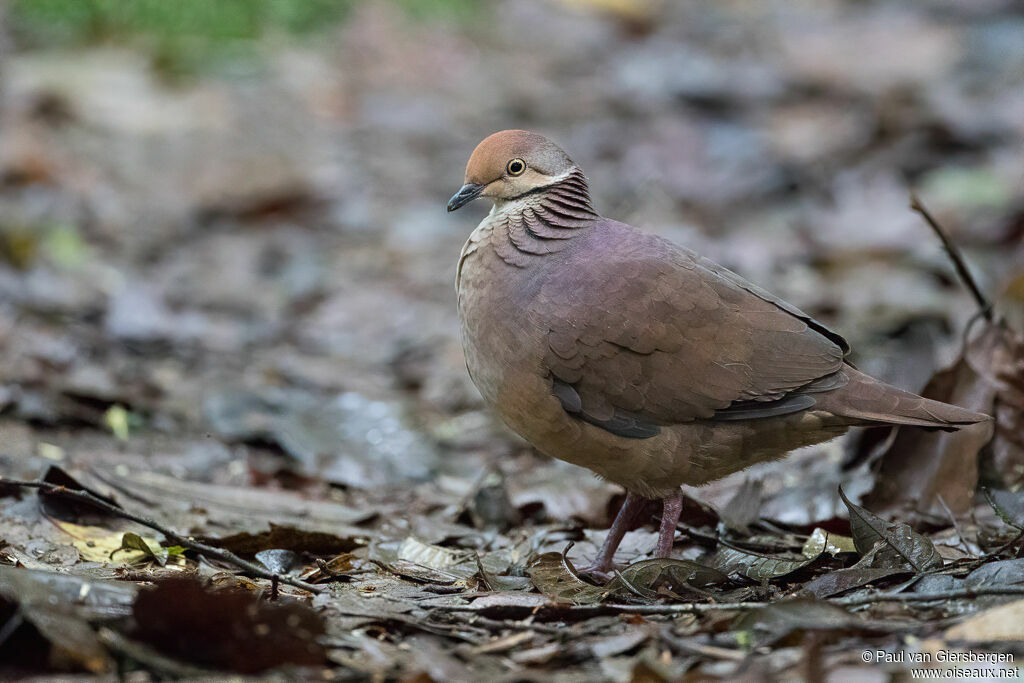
x=655 y=335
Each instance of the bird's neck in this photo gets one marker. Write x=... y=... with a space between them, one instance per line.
x=543 y=221
x=568 y=196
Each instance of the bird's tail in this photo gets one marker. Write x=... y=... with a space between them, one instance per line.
x=866 y=400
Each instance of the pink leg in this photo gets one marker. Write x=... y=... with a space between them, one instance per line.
x=672 y=507
x=629 y=516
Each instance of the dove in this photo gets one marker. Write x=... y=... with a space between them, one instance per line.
x=622 y=352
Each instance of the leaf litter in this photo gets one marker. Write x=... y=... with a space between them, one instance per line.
x=270 y=369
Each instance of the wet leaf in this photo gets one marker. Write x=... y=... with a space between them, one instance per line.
x=1008 y=505
x=903 y=545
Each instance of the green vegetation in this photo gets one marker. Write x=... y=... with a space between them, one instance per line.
x=187 y=36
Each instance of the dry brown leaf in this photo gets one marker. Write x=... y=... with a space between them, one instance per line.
x=922 y=469
x=1005 y=622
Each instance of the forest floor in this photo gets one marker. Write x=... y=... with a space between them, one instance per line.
x=227 y=310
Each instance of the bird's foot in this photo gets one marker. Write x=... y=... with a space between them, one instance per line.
x=630 y=514
x=597 y=572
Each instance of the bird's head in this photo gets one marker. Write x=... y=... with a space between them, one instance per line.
x=509 y=164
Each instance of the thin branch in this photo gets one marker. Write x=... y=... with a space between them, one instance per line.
x=956 y=526
x=958 y=594
x=954 y=254
x=172 y=536
x=700 y=607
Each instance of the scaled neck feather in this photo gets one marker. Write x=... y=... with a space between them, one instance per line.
x=542 y=221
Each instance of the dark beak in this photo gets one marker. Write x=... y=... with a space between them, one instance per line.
x=468 y=193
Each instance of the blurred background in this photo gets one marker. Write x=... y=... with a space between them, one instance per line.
x=224 y=251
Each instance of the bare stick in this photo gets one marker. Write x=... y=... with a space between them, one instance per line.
x=701 y=607
x=173 y=536
x=955 y=256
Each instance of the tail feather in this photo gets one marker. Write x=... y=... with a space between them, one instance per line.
x=866 y=400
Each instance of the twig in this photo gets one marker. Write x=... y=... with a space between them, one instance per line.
x=700 y=607
x=956 y=526
x=514 y=624
x=172 y=536
x=483 y=574
x=957 y=594
x=954 y=254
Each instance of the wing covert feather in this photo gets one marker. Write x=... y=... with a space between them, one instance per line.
x=665 y=336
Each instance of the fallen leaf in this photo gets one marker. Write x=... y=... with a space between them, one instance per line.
x=417 y=572
x=744 y=507
x=920 y=467
x=676 y=575
x=821 y=541
x=60 y=607
x=842 y=580
x=100 y=544
x=1000 y=573
x=133 y=542
x=333 y=567
x=1005 y=622
x=284 y=538
x=556 y=578
x=433 y=556
x=277 y=560
x=903 y=545
x=227 y=629
x=757 y=566
x=770 y=624
x=69 y=509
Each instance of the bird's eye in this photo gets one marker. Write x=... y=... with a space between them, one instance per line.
x=516 y=167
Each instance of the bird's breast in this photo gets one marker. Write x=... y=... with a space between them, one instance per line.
x=500 y=336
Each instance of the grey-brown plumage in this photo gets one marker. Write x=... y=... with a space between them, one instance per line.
x=620 y=351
